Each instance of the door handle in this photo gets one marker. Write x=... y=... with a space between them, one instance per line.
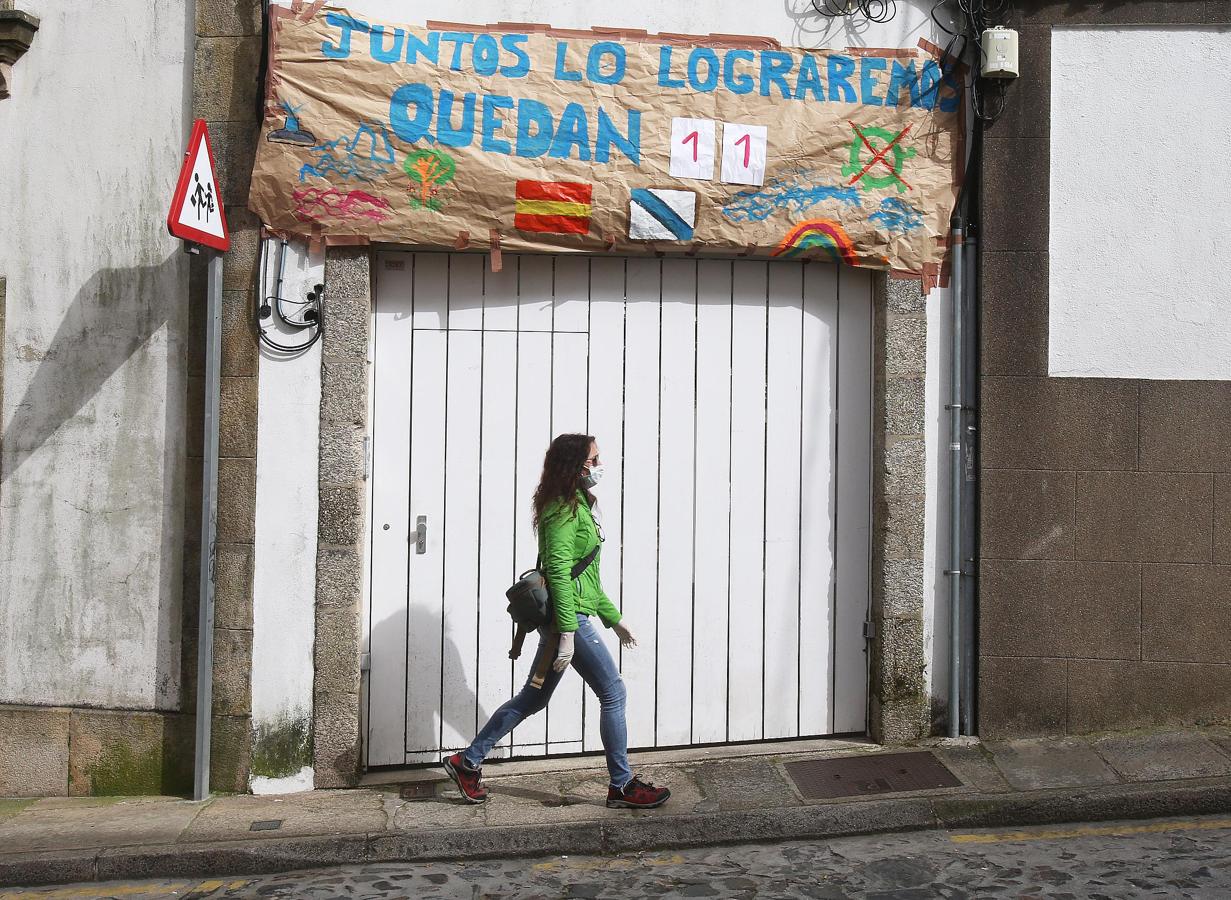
x=421 y=535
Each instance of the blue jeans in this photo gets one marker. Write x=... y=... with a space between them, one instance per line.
x=596 y=667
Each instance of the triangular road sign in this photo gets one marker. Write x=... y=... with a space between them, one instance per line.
x=196 y=209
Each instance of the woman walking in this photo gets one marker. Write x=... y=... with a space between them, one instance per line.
x=564 y=519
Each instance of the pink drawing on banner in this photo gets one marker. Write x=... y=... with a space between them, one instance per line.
x=314 y=204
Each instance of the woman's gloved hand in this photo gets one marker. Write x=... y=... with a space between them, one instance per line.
x=625 y=634
x=564 y=655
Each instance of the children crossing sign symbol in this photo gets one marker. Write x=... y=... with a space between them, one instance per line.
x=196 y=209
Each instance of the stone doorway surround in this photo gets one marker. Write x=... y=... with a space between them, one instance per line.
x=899 y=706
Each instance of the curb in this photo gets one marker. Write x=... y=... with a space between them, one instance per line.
x=633 y=833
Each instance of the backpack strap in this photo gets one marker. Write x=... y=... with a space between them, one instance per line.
x=518 y=639
x=584 y=562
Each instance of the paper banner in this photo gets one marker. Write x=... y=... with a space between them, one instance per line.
x=577 y=141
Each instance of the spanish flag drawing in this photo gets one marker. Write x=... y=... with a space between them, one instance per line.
x=554 y=207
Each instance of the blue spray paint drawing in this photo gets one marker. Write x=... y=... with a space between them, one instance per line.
x=364 y=157
x=897 y=215
x=788 y=192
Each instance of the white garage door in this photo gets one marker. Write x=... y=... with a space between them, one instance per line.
x=731 y=403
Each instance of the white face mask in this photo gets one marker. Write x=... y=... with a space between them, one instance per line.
x=593 y=478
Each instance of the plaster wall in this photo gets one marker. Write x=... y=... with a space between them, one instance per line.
x=284 y=587
x=1139 y=211
x=93 y=406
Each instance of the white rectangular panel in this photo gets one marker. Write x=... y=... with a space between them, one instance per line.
x=782 y=500
x=711 y=628
x=460 y=642
x=426 y=608
x=746 y=651
x=640 y=498
x=390 y=514
x=819 y=500
x=676 y=466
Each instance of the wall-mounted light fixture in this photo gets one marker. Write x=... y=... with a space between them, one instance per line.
x=17 y=30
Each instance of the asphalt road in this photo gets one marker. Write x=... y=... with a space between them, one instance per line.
x=1170 y=858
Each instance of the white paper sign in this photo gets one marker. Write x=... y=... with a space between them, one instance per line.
x=743 y=153
x=692 y=148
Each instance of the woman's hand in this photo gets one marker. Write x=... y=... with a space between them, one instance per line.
x=625 y=635
x=564 y=655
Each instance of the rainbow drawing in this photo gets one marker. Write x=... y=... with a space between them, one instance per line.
x=824 y=234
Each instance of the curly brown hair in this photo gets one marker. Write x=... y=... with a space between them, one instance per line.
x=562 y=465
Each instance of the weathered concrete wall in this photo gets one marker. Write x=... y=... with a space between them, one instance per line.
x=92 y=414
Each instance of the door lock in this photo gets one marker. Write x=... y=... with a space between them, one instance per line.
x=421 y=535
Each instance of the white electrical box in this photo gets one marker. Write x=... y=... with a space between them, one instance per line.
x=1000 y=53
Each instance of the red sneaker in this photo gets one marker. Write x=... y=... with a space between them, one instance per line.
x=637 y=794
x=467 y=779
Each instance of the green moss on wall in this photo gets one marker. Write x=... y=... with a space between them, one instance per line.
x=283 y=747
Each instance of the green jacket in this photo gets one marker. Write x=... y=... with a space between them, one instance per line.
x=565 y=538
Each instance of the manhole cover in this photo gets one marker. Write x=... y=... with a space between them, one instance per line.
x=855 y=776
x=266 y=825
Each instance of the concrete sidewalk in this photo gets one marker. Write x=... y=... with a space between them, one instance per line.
x=723 y=795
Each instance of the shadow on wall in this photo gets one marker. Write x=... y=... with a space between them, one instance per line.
x=114 y=313
x=112 y=316
x=445 y=691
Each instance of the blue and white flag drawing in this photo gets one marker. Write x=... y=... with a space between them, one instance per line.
x=658 y=215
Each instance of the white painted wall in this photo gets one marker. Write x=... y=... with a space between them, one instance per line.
x=284 y=587
x=1140 y=163
x=91 y=514
x=283 y=681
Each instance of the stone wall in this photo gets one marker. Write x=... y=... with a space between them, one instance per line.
x=340 y=533
x=225 y=79
x=1106 y=503
x=899 y=701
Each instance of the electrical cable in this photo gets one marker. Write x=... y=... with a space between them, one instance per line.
x=988 y=96
x=313 y=318
x=878 y=11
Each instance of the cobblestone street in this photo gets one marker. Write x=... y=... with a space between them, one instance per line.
x=1171 y=858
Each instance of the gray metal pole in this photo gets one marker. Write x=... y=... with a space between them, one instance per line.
x=209 y=521
x=955 y=510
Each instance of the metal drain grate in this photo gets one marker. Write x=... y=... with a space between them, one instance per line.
x=856 y=776
x=420 y=790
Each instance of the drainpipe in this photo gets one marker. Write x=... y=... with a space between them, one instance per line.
x=954 y=572
x=970 y=474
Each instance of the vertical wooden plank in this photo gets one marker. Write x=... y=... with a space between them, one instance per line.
x=747 y=573
x=854 y=497
x=535 y=292
x=390 y=514
x=782 y=493
x=640 y=496
x=497 y=521
x=500 y=295
x=425 y=615
x=818 y=500
x=572 y=293
x=677 y=465
x=460 y=524
x=568 y=416
x=466 y=290
x=533 y=436
x=713 y=502
x=606 y=422
x=431 y=277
